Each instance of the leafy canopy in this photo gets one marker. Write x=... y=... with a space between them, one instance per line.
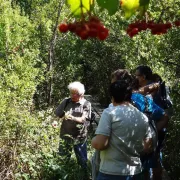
x=129 y=7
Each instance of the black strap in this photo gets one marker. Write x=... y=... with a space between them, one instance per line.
x=146 y=105
x=93 y=115
x=163 y=92
x=67 y=102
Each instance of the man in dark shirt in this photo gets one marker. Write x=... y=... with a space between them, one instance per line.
x=75 y=114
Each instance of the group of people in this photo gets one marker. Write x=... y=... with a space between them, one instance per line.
x=124 y=137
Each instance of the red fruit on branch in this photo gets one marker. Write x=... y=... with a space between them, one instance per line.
x=72 y=27
x=102 y=36
x=94 y=25
x=135 y=31
x=151 y=24
x=91 y=28
x=142 y=26
x=156 y=28
x=93 y=32
x=94 y=19
x=177 y=23
x=84 y=34
x=159 y=29
x=78 y=30
x=168 y=25
x=128 y=30
x=103 y=33
x=63 y=27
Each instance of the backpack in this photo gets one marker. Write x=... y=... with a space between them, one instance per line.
x=161 y=98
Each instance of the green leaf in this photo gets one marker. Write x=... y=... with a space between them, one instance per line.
x=142 y=10
x=111 y=5
x=79 y=6
x=128 y=13
x=129 y=7
x=144 y=2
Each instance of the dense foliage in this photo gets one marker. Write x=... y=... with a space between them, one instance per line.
x=37 y=63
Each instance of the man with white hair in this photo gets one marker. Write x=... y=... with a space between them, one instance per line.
x=75 y=112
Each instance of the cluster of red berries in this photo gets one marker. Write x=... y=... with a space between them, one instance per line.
x=156 y=28
x=177 y=23
x=93 y=28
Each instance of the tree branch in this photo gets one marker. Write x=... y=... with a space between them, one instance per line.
x=51 y=52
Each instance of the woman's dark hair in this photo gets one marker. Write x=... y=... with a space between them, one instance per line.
x=122 y=74
x=156 y=78
x=120 y=91
x=145 y=71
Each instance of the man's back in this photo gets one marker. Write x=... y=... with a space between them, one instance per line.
x=127 y=127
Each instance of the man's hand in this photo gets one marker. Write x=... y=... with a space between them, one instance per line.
x=148 y=145
x=100 y=142
x=67 y=115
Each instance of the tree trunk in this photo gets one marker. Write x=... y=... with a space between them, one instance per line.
x=51 y=55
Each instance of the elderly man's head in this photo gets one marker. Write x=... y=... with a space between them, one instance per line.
x=77 y=91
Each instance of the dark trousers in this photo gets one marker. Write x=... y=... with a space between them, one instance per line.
x=80 y=150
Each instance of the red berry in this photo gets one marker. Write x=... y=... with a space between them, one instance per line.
x=103 y=34
x=78 y=31
x=135 y=31
x=168 y=25
x=72 y=27
x=151 y=25
x=130 y=34
x=93 y=32
x=94 y=19
x=128 y=30
x=63 y=27
x=159 y=29
x=142 y=26
x=133 y=25
x=81 y=27
x=154 y=31
x=164 y=31
x=84 y=35
x=177 y=23
x=93 y=25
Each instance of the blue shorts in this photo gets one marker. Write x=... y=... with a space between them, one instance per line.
x=102 y=176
